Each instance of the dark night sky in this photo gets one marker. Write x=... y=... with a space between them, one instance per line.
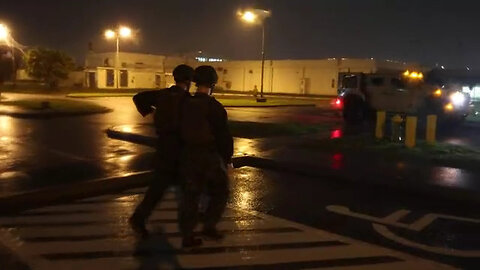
x=428 y=31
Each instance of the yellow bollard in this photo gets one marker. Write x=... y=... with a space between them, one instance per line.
x=380 y=129
x=411 y=131
x=431 y=128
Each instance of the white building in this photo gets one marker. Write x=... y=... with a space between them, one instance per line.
x=309 y=77
x=134 y=70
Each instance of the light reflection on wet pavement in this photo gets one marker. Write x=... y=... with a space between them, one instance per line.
x=33 y=150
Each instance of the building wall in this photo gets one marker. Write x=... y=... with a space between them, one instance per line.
x=127 y=60
x=313 y=77
x=137 y=79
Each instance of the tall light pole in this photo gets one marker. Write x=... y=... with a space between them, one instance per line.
x=6 y=37
x=257 y=16
x=120 y=32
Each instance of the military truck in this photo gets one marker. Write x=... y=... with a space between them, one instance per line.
x=409 y=93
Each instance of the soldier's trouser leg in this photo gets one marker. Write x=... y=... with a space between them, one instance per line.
x=161 y=182
x=188 y=215
x=218 y=190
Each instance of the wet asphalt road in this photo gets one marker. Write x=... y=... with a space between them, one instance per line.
x=41 y=152
x=307 y=200
x=37 y=153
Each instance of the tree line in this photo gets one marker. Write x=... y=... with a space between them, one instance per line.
x=46 y=65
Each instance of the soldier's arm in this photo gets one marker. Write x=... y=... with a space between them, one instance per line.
x=145 y=101
x=223 y=137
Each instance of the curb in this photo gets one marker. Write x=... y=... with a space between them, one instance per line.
x=63 y=193
x=51 y=114
x=327 y=173
x=272 y=106
x=100 y=96
x=131 y=137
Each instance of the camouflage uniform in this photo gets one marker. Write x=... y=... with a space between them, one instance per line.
x=169 y=145
x=203 y=169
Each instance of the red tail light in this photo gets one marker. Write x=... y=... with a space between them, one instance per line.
x=337 y=103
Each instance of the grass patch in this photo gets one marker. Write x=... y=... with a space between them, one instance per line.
x=440 y=154
x=56 y=106
x=101 y=94
x=251 y=102
x=261 y=130
x=227 y=102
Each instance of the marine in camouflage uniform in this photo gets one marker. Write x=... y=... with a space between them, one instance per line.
x=208 y=149
x=166 y=106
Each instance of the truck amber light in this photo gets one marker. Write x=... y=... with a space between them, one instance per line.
x=438 y=93
x=413 y=75
x=449 y=107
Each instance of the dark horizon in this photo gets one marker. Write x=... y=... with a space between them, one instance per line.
x=429 y=32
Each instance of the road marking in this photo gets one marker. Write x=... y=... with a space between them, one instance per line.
x=380 y=226
x=385 y=232
x=93 y=236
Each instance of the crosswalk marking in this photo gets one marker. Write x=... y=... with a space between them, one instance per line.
x=93 y=234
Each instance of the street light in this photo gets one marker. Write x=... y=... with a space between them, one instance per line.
x=121 y=32
x=4 y=32
x=6 y=37
x=257 y=16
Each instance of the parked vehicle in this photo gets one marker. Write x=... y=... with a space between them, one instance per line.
x=409 y=93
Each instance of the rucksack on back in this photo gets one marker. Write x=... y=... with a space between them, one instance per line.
x=195 y=127
x=167 y=111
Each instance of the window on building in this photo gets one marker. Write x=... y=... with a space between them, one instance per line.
x=110 y=78
x=123 y=78
x=91 y=80
x=158 y=80
x=333 y=83
x=378 y=81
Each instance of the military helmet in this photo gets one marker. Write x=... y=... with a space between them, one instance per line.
x=183 y=73
x=205 y=76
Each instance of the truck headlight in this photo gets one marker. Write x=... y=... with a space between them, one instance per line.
x=458 y=99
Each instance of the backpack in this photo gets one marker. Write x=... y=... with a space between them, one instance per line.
x=167 y=111
x=195 y=126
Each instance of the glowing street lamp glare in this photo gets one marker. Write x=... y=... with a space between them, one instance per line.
x=249 y=17
x=109 y=34
x=4 y=32
x=125 y=31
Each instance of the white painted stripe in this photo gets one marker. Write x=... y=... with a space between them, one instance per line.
x=365 y=245
x=167 y=196
x=114 y=198
x=100 y=206
x=119 y=211
x=224 y=259
x=127 y=244
x=112 y=263
x=408 y=265
x=109 y=229
x=276 y=256
x=120 y=216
